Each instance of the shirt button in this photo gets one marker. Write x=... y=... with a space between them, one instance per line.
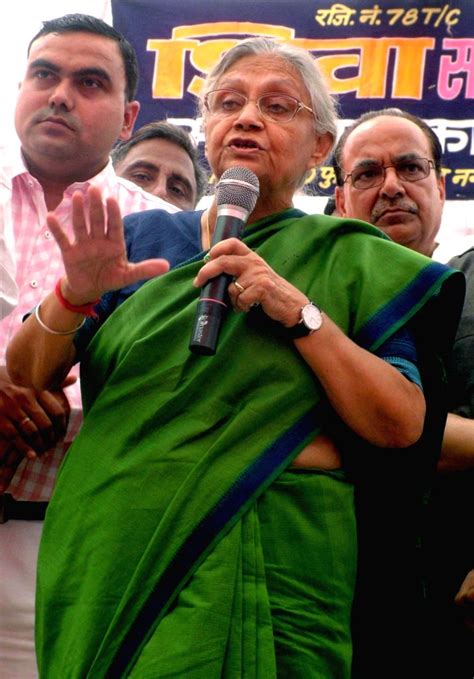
x=34 y=283
x=47 y=235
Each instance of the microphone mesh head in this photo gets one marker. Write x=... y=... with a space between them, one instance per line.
x=238 y=186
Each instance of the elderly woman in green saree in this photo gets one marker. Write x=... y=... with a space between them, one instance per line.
x=203 y=523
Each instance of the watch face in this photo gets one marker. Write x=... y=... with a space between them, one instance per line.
x=311 y=320
x=312 y=317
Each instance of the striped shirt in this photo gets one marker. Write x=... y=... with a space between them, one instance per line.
x=8 y=286
x=39 y=265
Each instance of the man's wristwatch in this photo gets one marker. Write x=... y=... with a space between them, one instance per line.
x=311 y=319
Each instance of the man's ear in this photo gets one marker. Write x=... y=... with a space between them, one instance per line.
x=203 y=130
x=129 y=117
x=340 y=201
x=442 y=188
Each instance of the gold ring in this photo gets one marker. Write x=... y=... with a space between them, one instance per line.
x=239 y=287
x=25 y=420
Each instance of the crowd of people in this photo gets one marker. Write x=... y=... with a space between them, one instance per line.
x=279 y=509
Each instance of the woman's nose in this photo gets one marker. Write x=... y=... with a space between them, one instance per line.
x=249 y=115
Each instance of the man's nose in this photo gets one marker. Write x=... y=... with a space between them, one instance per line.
x=392 y=185
x=160 y=187
x=62 y=96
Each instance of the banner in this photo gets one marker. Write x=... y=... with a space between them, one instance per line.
x=418 y=56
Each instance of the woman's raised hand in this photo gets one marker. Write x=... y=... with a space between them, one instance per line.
x=96 y=260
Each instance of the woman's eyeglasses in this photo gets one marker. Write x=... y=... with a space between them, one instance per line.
x=279 y=108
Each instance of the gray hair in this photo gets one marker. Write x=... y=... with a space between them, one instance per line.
x=322 y=102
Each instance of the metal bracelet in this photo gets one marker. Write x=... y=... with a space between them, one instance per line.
x=56 y=332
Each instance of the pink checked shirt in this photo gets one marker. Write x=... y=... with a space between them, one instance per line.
x=39 y=266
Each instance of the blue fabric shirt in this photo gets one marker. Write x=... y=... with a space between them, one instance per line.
x=148 y=234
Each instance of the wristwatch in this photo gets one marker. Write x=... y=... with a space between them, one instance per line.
x=311 y=320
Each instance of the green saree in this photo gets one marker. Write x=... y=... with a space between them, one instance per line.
x=176 y=544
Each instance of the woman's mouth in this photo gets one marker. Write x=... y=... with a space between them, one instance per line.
x=244 y=144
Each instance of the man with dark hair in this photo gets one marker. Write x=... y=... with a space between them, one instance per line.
x=85 y=23
x=161 y=158
x=388 y=171
x=75 y=101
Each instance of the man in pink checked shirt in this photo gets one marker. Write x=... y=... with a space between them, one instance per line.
x=76 y=100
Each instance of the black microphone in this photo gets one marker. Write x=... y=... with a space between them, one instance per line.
x=236 y=195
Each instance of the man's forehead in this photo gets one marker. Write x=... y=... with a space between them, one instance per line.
x=164 y=151
x=72 y=44
x=386 y=134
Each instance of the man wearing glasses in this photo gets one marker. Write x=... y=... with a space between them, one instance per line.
x=388 y=173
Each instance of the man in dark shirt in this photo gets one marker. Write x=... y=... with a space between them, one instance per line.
x=388 y=172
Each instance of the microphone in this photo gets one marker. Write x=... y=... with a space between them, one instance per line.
x=236 y=195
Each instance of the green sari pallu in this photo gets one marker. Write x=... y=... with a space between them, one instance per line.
x=177 y=542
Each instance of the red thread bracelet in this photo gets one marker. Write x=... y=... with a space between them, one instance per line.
x=85 y=309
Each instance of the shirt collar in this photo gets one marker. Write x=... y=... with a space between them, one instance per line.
x=101 y=179
x=14 y=165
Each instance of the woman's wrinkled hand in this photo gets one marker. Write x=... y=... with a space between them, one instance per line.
x=254 y=282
